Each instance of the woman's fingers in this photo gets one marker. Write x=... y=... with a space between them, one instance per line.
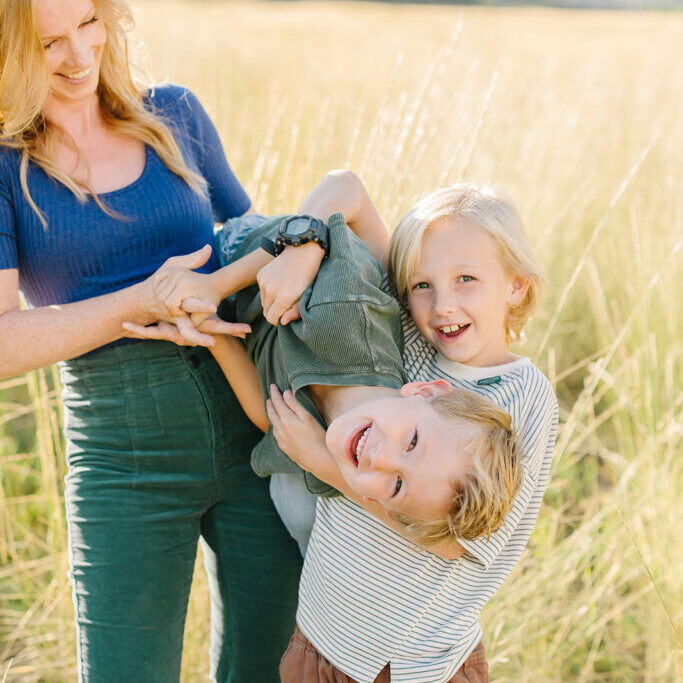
x=161 y=332
x=194 y=305
x=191 y=333
x=194 y=260
x=215 y=325
x=136 y=331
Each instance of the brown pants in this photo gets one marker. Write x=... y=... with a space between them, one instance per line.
x=302 y=663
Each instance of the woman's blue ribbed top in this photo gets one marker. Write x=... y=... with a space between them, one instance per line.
x=84 y=252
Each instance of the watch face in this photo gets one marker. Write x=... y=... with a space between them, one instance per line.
x=298 y=226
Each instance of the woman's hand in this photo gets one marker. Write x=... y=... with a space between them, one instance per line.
x=296 y=431
x=179 y=333
x=181 y=291
x=156 y=290
x=284 y=280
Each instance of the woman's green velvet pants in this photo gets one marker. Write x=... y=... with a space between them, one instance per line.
x=158 y=452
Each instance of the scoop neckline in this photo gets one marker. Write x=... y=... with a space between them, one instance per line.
x=135 y=182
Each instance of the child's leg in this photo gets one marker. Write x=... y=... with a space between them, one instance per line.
x=295 y=504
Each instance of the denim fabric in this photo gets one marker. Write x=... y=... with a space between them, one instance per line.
x=295 y=504
x=158 y=452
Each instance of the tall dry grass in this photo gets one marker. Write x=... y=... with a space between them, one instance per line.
x=577 y=114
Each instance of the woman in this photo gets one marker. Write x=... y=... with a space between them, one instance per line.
x=100 y=183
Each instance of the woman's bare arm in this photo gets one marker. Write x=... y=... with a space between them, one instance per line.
x=38 y=337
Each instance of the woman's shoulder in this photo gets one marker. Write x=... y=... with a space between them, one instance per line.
x=172 y=100
x=10 y=160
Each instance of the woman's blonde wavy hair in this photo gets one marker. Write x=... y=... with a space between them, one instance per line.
x=484 y=496
x=24 y=92
x=486 y=208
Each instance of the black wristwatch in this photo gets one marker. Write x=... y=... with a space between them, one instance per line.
x=295 y=231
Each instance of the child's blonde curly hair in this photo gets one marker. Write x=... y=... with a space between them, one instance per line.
x=486 y=208
x=484 y=496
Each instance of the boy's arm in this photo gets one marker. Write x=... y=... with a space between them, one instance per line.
x=343 y=192
x=243 y=377
x=303 y=440
x=283 y=280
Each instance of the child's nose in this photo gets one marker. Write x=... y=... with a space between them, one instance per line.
x=443 y=303
x=382 y=456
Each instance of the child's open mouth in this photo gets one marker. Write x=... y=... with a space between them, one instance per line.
x=452 y=331
x=357 y=443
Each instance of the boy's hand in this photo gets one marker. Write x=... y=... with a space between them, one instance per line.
x=284 y=280
x=183 y=333
x=295 y=430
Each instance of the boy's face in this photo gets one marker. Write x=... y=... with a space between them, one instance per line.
x=460 y=294
x=401 y=452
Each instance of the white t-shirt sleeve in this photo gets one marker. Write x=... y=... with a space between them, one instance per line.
x=537 y=429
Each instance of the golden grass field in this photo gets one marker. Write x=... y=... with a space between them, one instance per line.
x=578 y=115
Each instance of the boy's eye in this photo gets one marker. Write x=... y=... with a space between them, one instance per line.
x=421 y=285
x=413 y=441
x=399 y=483
x=465 y=278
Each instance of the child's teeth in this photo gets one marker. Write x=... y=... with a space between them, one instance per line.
x=451 y=328
x=361 y=442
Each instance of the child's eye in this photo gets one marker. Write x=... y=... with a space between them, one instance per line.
x=397 y=488
x=47 y=46
x=465 y=278
x=90 y=21
x=421 y=285
x=413 y=441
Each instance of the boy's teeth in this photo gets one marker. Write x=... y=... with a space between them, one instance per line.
x=361 y=442
x=451 y=328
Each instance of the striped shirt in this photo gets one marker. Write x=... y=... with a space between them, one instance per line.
x=368 y=596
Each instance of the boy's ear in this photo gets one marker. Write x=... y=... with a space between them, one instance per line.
x=518 y=288
x=438 y=387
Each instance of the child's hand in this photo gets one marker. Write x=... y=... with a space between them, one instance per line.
x=183 y=333
x=284 y=280
x=295 y=430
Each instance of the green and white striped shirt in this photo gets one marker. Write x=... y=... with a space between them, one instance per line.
x=368 y=596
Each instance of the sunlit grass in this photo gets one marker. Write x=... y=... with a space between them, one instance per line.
x=577 y=114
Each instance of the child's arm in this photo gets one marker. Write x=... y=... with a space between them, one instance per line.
x=344 y=192
x=303 y=440
x=283 y=280
x=243 y=377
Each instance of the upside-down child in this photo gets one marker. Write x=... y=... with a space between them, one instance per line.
x=370 y=599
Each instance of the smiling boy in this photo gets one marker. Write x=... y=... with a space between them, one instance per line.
x=432 y=462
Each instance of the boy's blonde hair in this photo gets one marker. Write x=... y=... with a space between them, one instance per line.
x=485 y=208
x=484 y=496
x=24 y=91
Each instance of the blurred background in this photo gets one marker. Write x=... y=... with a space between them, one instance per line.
x=577 y=113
